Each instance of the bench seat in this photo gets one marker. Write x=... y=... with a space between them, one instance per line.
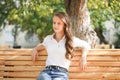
x=103 y=64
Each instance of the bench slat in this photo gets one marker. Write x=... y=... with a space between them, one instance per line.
x=21 y=58
x=74 y=63
x=104 y=52
x=17 y=78
x=98 y=64
x=95 y=76
x=23 y=63
x=95 y=69
x=89 y=58
x=71 y=69
x=21 y=68
x=34 y=79
x=71 y=75
x=25 y=74
x=113 y=52
x=100 y=58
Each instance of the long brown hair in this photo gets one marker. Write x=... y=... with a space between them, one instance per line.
x=69 y=42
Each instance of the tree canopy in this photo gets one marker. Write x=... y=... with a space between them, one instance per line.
x=35 y=16
x=5 y=7
x=103 y=10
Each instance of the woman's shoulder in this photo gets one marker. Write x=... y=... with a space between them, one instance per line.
x=48 y=37
x=77 y=40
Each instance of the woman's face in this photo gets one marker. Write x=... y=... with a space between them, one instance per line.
x=58 y=25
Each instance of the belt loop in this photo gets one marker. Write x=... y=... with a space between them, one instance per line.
x=50 y=67
x=58 y=68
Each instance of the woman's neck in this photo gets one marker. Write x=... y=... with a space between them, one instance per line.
x=58 y=37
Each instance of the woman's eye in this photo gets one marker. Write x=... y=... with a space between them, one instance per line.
x=58 y=23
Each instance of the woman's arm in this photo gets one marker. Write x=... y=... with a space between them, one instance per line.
x=85 y=48
x=83 y=60
x=39 y=48
x=35 y=51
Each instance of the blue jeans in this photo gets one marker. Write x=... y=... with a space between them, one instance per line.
x=53 y=74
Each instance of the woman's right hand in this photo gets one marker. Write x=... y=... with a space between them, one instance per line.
x=36 y=50
x=34 y=54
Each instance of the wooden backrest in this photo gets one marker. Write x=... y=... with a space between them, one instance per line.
x=102 y=65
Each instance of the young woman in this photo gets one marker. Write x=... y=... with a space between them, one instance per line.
x=59 y=47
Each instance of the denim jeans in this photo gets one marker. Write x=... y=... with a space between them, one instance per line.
x=53 y=74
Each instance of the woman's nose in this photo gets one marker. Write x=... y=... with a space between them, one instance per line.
x=55 y=25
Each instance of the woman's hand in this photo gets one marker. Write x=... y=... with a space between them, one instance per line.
x=83 y=61
x=34 y=54
x=83 y=64
x=36 y=50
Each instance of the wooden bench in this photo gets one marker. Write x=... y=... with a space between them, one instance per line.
x=103 y=64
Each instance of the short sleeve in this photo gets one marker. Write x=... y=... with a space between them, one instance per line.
x=80 y=43
x=44 y=43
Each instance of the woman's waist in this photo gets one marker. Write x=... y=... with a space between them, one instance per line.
x=54 y=67
x=64 y=64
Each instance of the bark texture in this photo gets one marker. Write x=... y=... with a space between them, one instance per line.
x=80 y=20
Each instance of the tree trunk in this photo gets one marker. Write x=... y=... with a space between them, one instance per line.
x=15 y=33
x=80 y=20
x=101 y=36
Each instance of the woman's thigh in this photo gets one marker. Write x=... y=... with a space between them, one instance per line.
x=60 y=75
x=53 y=74
x=44 y=76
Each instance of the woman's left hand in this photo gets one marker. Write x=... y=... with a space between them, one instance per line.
x=83 y=64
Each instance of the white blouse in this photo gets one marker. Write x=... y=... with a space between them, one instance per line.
x=56 y=50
